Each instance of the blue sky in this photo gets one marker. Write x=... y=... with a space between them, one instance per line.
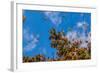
x=38 y=23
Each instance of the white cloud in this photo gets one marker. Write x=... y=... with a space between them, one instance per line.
x=89 y=37
x=83 y=40
x=43 y=51
x=80 y=36
x=30 y=39
x=54 y=17
x=72 y=35
x=31 y=45
x=75 y=34
x=79 y=24
x=83 y=25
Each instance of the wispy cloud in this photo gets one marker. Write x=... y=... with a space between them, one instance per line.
x=83 y=25
x=43 y=50
x=31 y=45
x=72 y=35
x=76 y=35
x=27 y=36
x=85 y=40
x=30 y=39
x=54 y=17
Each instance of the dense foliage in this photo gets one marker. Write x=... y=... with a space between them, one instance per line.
x=66 y=50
